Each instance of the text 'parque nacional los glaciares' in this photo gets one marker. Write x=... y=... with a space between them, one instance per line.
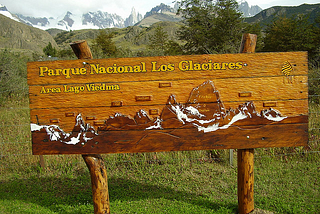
x=93 y=69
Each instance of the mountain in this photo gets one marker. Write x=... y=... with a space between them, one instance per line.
x=247 y=10
x=164 y=12
x=100 y=20
x=4 y=11
x=133 y=18
x=160 y=13
x=16 y=35
x=268 y=15
x=72 y=21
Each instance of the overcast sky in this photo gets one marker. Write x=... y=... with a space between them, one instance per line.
x=56 y=8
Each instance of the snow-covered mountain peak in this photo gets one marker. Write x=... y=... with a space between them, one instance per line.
x=4 y=11
x=99 y=20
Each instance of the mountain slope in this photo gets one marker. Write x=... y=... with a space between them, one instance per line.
x=15 y=35
x=267 y=16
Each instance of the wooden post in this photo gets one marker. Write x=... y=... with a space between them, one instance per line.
x=94 y=162
x=246 y=156
x=248 y=43
x=245 y=181
x=231 y=157
x=42 y=162
x=99 y=182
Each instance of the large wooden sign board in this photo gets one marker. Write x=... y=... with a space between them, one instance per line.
x=172 y=103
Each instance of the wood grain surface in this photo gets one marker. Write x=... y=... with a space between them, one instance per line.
x=149 y=98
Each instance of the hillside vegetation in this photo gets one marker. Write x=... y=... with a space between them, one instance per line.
x=133 y=39
x=267 y=16
x=18 y=36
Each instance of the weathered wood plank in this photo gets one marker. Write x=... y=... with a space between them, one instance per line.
x=66 y=116
x=279 y=135
x=174 y=68
x=271 y=88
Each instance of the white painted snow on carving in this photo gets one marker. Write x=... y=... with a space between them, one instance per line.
x=74 y=140
x=35 y=127
x=194 y=111
x=55 y=133
x=267 y=114
x=183 y=117
x=142 y=113
x=215 y=127
x=157 y=125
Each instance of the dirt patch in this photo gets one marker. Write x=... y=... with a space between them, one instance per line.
x=259 y=211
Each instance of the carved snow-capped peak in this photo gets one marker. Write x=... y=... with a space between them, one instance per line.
x=142 y=117
x=248 y=109
x=156 y=124
x=194 y=111
x=272 y=114
x=172 y=100
x=142 y=113
x=206 y=92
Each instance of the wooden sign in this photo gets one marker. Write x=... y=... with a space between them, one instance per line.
x=172 y=103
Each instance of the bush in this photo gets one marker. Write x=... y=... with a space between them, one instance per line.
x=13 y=75
x=314 y=84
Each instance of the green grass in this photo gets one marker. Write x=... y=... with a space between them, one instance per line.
x=191 y=186
x=286 y=179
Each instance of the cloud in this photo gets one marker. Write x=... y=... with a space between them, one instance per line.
x=270 y=3
x=41 y=8
x=56 y=8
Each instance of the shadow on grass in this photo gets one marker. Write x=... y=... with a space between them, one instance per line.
x=74 y=196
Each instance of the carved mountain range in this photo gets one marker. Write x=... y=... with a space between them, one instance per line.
x=203 y=111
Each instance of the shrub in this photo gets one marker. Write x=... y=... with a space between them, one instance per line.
x=13 y=75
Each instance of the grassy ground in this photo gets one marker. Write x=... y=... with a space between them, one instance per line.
x=286 y=179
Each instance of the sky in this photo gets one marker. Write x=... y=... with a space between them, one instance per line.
x=57 y=8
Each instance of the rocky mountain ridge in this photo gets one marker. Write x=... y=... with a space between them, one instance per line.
x=18 y=36
x=266 y=16
x=101 y=20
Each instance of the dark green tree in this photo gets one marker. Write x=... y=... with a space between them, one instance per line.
x=158 y=40
x=292 y=34
x=159 y=43
x=103 y=46
x=49 y=50
x=173 y=48
x=211 y=26
x=13 y=75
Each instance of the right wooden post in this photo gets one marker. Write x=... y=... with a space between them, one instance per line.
x=246 y=156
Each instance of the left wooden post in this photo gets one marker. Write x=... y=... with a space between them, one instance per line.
x=94 y=162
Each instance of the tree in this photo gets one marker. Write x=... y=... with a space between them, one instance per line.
x=211 y=27
x=173 y=48
x=158 y=40
x=292 y=34
x=160 y=44
x=49 y=50
x=103 y=46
